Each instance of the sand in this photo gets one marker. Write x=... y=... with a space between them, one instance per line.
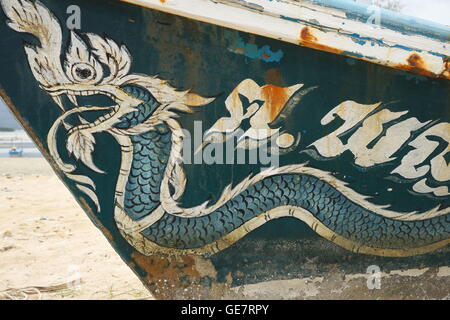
x=48 y=244
x=49 y=249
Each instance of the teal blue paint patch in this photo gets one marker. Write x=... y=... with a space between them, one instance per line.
x=250 y=50
x=359 y=41
x=350 y=61
x=290 y=19
x=437 y=54
x=268 y=55
x=353 y=54
x=362 y=40
x=406 y=48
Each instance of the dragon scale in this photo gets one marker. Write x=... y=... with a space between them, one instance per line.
x=287 y=194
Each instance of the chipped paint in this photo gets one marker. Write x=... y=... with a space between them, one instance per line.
x=402 y=23
x=308 y=39
x=416 y=64
x=446 y=72
x=251 y=50
x=179 y=276
x=306 y=35
x=334 y=28
x=276 y=99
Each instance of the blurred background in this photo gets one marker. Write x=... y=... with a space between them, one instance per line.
x=13 y=139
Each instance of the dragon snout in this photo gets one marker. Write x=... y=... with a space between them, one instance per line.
x=78 y=98
x=91 y=104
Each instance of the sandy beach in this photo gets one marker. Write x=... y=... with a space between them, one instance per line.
x=49 y=249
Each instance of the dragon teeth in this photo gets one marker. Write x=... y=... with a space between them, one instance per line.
x=73 y=99
x=67 y=126
x=58 y=101
x=82 y=120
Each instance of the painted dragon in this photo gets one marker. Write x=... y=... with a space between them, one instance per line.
x=143 y=121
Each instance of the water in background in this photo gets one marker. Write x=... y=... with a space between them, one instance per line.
x=20 y=140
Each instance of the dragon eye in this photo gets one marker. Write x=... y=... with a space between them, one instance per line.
x=83 y=72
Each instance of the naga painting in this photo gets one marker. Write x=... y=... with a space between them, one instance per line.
x=187 y=141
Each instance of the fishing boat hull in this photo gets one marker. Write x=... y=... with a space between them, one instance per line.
x=212 y=157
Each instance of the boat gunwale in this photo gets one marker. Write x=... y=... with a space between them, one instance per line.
x=310 y=23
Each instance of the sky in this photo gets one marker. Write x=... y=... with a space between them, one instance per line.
x=433 y=10
x=6 y=118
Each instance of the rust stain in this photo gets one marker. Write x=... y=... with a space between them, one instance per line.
x=306 y=35
x=166 y=267
x=308 y=39
x=274 y=76
x=265 y=56
x=446 y=72
x=178 y=276
x=416 y=64
x=275 y=98
x=165 y=274
x=106 y=233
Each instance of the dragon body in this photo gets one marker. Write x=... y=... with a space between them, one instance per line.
x=291 y=191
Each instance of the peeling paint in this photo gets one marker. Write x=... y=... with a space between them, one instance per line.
x=333 y=25
x=250 y=50
x=276 y=98
x=402 y=23
x=446 y=72
x=179 y=276
x=416 y=64
x=307 y=38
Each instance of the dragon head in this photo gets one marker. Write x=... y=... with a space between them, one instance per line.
x=81 y=69
x=90 y=65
